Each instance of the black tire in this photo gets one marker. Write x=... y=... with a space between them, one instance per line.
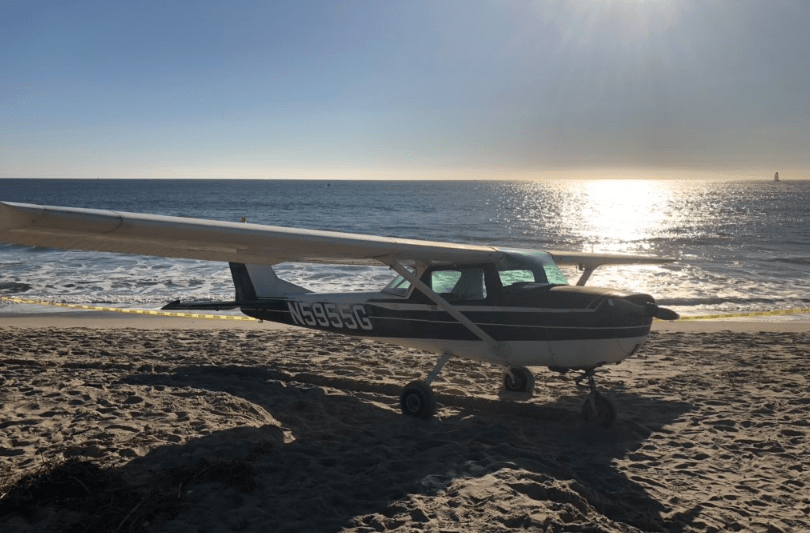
x=520 y=380
x=605 y=413
x=417 y=399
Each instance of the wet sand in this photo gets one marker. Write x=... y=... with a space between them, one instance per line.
x=115 y=423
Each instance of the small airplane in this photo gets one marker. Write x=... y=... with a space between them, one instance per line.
x=508 y=307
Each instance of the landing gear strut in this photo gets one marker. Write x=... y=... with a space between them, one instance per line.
x=597 y=408
x=417 y=398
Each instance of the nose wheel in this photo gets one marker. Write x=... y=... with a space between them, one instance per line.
x=597 y=409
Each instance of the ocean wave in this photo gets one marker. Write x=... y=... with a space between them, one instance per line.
x=13 y=287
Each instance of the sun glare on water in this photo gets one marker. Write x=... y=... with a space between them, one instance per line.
x=599 y=216
x=619 y=216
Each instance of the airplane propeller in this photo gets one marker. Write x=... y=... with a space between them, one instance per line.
x=661 y=313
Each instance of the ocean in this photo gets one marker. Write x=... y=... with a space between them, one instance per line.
x=741 y=247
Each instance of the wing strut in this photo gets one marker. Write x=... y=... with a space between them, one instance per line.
x=446 y=306
x=588 y=270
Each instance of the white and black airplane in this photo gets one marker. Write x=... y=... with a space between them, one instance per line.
x=508 y=307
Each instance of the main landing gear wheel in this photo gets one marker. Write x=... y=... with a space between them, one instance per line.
x=417 y=399
x=599 y=410
x=519 y=379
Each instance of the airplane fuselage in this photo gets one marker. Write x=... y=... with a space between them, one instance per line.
x=551 y=326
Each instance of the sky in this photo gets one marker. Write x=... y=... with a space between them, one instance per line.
x=405 y=89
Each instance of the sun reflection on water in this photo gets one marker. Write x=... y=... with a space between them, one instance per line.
x=602 y=216
x=620 y=216
x=616 y=216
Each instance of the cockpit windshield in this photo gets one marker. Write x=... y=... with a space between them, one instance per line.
x=398 y=286
x=525 y=266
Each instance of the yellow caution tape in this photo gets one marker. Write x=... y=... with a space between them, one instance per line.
x=746 y=315
x=130 y=311
x=231 y=317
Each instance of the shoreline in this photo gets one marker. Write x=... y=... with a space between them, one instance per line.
x=113 y=320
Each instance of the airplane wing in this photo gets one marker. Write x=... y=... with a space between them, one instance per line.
x=192 y=238
x=211 y=240
x=589 y=260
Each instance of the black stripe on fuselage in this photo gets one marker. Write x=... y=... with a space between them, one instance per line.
x=503 y=324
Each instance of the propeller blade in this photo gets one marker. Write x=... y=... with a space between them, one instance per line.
x=661 y=313
x=667 y=314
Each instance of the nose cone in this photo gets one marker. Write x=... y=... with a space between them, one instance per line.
x=615 y=307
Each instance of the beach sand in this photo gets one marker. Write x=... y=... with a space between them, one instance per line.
x=117 y=423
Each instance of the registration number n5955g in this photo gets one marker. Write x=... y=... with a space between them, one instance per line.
x=348 y=316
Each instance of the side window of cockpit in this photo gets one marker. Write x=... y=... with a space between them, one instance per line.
x=510 y=277
x=443 y=281
x=555 y=277
x=463 y=284
x=521 y=269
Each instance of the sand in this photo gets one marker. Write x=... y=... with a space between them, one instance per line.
x=114 y=423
